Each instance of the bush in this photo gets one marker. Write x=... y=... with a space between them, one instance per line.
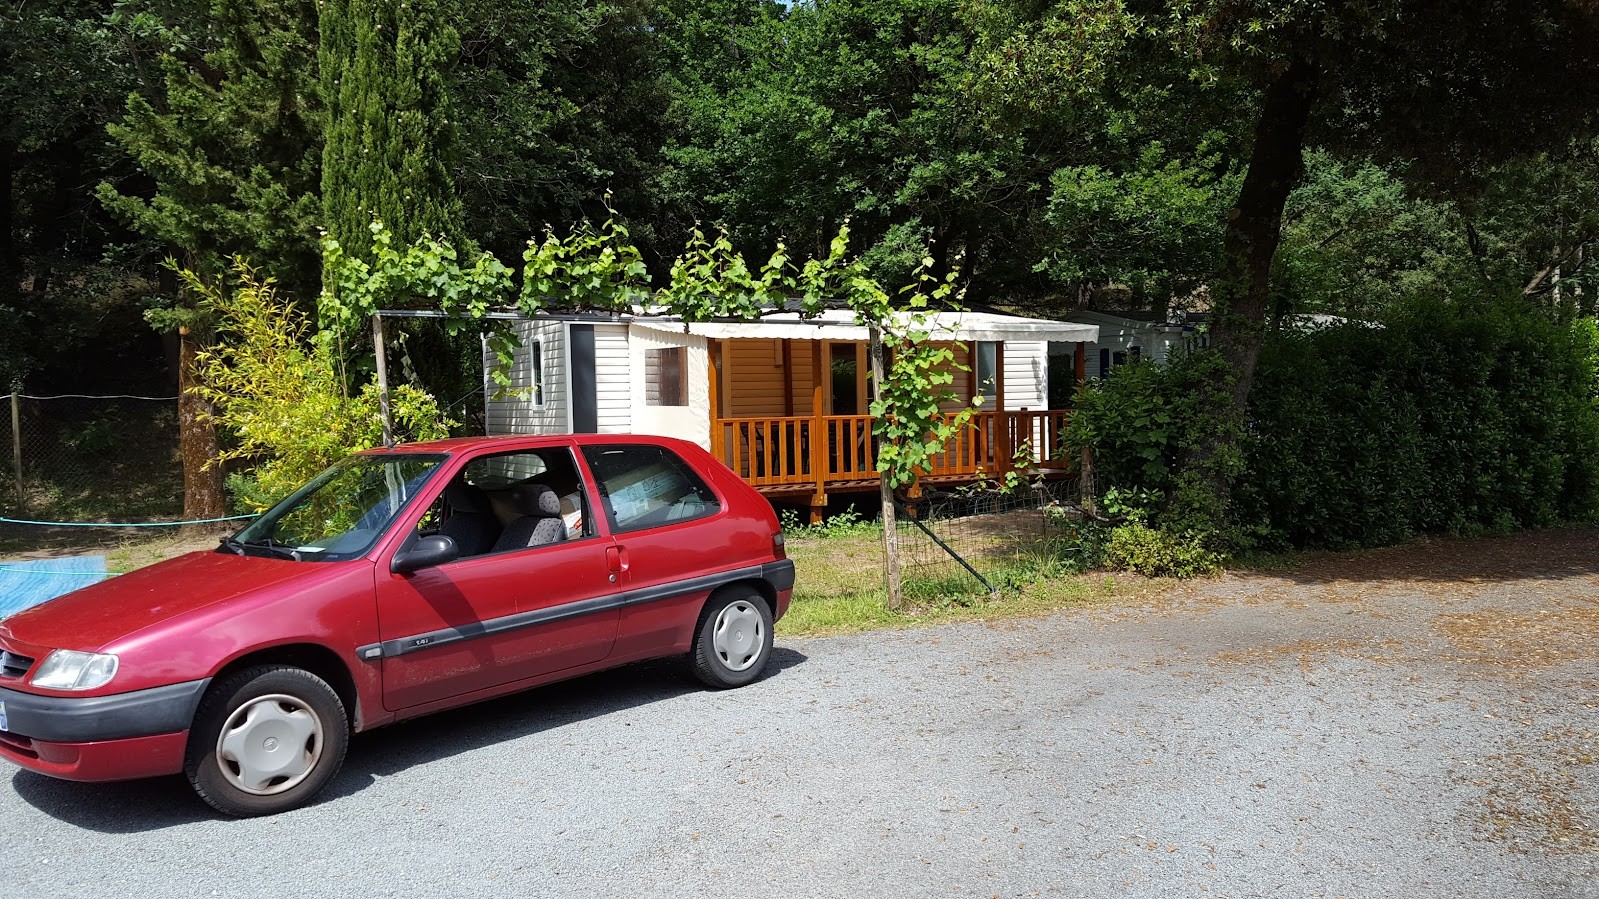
x=1139 y=548
x=1453 y=417
x=1457 y=415
x=1141 y=422
x=279 y=394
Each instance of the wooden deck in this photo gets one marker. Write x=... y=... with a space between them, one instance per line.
x=818 y=455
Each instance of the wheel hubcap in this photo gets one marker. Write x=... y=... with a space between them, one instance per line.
x=739 y=635
x=269 y=744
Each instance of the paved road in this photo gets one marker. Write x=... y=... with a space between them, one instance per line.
x=1254 y=736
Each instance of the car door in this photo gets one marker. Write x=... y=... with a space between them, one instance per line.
x=668 y=547
x=504 y=614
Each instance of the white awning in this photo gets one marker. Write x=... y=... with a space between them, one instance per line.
x=839 y=324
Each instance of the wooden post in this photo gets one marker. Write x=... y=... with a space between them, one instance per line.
x=1082 y=363
x=1085 y=482
x=713 y=365
x=16 y=452
x=885 y=489
x=383 y=379
x=818 y=434
x=788 y=378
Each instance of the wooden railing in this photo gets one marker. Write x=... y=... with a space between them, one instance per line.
x=783 y=452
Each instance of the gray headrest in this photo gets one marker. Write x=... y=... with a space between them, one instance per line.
x=464 y=497
x=536 y=500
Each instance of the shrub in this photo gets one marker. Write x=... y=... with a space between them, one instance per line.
x=1457 y=415
x=1141 y=422
x=1139 y=548
x=279 y=395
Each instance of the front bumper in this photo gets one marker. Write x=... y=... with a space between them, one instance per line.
x=128 y=759
x=96 y=738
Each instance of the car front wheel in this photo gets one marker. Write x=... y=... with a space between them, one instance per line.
x=266 y=740
x=734 y=639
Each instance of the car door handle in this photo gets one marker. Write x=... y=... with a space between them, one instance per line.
x=616 y=559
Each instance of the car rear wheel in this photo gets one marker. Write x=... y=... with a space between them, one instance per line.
x=734 y=639
x=266 y=740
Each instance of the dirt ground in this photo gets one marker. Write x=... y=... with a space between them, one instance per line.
x=124 y=548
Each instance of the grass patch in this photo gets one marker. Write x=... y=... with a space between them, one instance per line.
x=839 y=589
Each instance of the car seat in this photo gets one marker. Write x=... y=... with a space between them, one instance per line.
x=540 y=522
x=471 y=523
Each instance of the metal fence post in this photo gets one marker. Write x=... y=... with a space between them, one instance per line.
x=16 y=452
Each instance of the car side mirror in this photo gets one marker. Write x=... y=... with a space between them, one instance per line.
x=425 y=553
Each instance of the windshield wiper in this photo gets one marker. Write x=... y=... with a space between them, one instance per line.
x=232 y=544
x=281 y=550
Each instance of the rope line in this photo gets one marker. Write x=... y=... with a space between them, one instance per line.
x=123 y=524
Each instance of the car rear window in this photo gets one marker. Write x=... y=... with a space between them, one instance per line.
x=648 y=486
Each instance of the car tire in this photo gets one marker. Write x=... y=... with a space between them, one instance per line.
x=733 y=640
x=266 y=740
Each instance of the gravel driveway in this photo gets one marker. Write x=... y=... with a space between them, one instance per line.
x=1387 y=724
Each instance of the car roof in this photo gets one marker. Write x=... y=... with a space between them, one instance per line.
x=458 y=445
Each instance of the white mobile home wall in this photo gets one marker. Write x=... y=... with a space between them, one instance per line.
x=1118 y=334
x=557 y=413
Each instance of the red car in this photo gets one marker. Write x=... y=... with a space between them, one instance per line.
x=397 y=583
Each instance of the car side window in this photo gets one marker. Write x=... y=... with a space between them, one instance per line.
x=512 y=501
x=648 y=486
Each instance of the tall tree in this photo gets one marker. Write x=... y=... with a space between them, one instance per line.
x=1450 y=87
x=227 y=137
x=560 y=102
x=62 y=74
x=790 y=119
x=788 y=122
x=390 y=133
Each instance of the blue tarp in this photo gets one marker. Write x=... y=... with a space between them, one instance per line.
x=25 y=584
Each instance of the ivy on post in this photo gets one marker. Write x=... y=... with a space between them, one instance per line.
x=909 y=389
x=885 y=477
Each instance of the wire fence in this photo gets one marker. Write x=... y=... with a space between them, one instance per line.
x=73 y=458
x=979 y=540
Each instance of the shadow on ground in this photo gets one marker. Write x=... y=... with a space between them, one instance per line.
x=1555 y=554
x=157 y=803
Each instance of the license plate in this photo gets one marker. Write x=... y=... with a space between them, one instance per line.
x=4 y=724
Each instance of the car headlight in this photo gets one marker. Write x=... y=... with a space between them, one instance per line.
x=65 y=669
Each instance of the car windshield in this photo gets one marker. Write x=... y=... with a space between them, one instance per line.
x=341 y=513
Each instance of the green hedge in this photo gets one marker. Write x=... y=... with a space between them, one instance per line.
x=1450 y=417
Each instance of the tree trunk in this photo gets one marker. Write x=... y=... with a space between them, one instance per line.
x=1241 y=297
x=53 y=223
x=1254 y=225
x=197 y=442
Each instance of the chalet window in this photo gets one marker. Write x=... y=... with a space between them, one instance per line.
x=987 y=369
x=665 y=377
x=535 y=369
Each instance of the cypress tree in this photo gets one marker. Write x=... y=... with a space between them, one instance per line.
x=228 y=132
x=389 y=132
